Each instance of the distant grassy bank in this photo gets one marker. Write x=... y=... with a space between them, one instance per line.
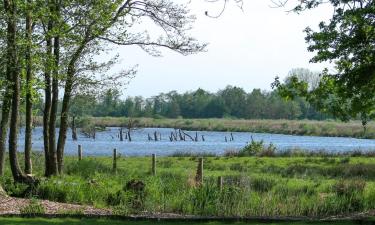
x=294 y=127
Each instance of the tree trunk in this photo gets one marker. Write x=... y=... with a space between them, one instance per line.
x=53 y=115
x=65 y=108
x=47 y=100
x=64 y=120
x=29 y=104
x=7 y=99
x=12 y=71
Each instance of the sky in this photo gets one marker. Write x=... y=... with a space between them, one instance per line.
x=247 y=48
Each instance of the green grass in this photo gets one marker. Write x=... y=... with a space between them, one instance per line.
x=253 y=186
x=293 y=127
x=41 y=221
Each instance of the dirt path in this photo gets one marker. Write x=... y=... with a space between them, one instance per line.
x=10 y=205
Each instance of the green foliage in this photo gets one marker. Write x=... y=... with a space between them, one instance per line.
x=257 y=148
x=347 y=40
x=231 y=102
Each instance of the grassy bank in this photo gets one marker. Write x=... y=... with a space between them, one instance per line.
x=294 y=127
x=253 y=186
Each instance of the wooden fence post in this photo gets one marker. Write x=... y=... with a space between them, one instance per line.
x=114 y=160
x=153 y=165
x=199 y=175
x=79 y=152
x=220 y=182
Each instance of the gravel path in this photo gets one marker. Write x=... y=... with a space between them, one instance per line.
x=10 y=205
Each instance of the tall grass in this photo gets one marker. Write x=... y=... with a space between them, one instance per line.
x=253 y=186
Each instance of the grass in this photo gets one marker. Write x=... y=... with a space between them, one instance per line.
x=293 y=127
x=311 y=186
x=70 y=221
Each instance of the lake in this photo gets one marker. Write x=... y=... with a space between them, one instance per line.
x=214 y=142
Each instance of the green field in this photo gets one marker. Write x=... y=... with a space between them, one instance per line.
x=253 y=186
x=40 y=221
x=295 y=127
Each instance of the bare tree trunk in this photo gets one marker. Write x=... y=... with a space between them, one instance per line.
x=29 y=103
x=121 y=135
x=129 y=137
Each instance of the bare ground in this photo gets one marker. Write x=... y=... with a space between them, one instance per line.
x=13 y=206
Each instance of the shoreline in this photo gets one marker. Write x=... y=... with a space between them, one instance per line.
x=326 y=128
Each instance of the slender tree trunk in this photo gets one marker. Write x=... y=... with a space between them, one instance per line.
x=7 y=99
x=13 y=72
x=29 y=104
x=64 y=120
x=47 y=100
x=52 y=121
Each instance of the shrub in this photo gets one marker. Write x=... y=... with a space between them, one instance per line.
x=253 y=148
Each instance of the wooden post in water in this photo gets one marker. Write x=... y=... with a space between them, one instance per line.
x=153 y=170
x=114 y=160
x=199 y=175
x=220 y=182
x=79 y=152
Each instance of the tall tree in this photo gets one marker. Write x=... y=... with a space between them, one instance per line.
x=348 y=40
x=108 y=22
x=29 y=88
x=12 y=71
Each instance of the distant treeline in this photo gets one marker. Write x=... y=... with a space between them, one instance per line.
x=231 y=102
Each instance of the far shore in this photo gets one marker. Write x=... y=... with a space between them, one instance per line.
x=325 y=128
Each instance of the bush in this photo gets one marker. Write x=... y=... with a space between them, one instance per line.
x=253 y=148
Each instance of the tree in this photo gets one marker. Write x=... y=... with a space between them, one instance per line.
x=348 y=40
x=108 y=22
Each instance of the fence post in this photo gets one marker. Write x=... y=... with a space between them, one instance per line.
x=114 y=160
x=153 y=164
x=79 y=152
x=199 y=175
x=220 y=182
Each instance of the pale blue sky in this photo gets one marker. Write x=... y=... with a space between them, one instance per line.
x=246 y=48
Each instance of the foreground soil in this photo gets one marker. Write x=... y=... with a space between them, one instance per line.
x=13 y=206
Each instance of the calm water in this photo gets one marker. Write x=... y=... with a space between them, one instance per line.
x=214 y=142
